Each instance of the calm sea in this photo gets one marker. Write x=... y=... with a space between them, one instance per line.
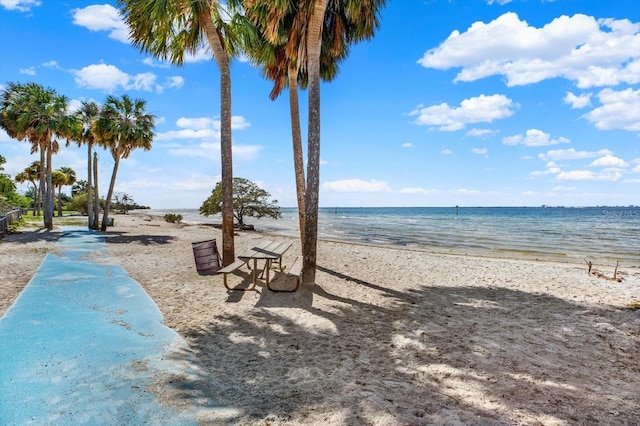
x=601 y=234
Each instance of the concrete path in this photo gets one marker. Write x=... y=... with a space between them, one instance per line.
x=84 y=344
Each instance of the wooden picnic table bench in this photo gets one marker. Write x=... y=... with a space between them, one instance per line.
x=269 y=251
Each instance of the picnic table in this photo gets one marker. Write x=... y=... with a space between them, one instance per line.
x=268 y=251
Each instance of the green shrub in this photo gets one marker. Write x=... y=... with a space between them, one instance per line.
x=173 y=218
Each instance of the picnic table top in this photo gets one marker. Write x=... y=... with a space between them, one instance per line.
x=265 y=250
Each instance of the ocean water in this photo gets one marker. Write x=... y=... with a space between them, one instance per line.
x=600 y=234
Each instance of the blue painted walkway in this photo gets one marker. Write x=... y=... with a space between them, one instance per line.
x=84 y=344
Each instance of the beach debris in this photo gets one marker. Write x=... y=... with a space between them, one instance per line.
x=598 y=274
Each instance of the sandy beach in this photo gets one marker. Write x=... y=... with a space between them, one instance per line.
x=385 y=336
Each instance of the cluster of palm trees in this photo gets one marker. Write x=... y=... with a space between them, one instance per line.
x=41 y=116
x=61 y=177
x=295 y=42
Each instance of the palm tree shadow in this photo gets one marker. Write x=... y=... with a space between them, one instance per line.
x=421 y=357
x=30 y=236
x=116 y=237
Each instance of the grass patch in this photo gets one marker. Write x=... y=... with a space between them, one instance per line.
x=38 y=221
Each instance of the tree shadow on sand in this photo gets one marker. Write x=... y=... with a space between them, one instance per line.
x=32 y=235
x=435 y=354
x=114 y=237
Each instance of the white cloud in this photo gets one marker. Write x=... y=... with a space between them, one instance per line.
x=611 y=176
x=145 y=81
x=52 y=64
x=481 y=109
x=154 y=64
x=578 y=101
x=175 y=82
x=572 y=154
x=356 y=185
x=28 y=71
x=407 y=145
x=500 y=2
x=609 y=161
x=102 y=18
x=20 y=5
x=482 y=133
x=534 y=137
x=579 y=48
x=239 y=123
x=102 y=77
x=619 y=110
x=207 y=131
x=446 y=151
x=110 y=78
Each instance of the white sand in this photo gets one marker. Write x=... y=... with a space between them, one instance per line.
x=385 y=336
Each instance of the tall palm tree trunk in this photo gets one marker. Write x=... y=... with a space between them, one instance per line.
x=296 y=137
x=89 y=188
x=96 y=195
x=48 y=193
x=310 y=242
x=43 y=179
x=222 y=59
x=60 y=201
x=107 y=202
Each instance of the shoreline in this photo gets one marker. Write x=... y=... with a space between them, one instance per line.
x=495 y=253
x=386 y=336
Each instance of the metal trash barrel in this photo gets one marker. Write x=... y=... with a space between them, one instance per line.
x=206 y=255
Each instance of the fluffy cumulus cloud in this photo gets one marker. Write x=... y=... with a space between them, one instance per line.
x=619 y=110
x=481 y=109
x=110 y=78
x=534 y=137
x=606 y=168
x=609 y=161
x=356 y=185
x=578 y=101
x=20 y=5
x=102 y=17
x=591 y=52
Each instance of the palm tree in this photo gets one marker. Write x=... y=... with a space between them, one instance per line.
x=71 y=179
x=346 y=22
x=39 y=115
x=31 y=174
x=122 y=126
x=172 y=29
x=88 y=114
x=59 y=179
x=278 y=52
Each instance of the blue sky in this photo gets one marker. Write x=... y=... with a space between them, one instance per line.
x=470 y=103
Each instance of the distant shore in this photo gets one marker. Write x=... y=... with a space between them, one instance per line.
x=385 y=336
